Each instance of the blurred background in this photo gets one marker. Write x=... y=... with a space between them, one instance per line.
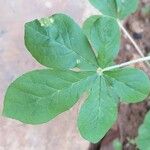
x=61 y=133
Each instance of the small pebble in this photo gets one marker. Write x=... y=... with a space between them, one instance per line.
x=137 y=36
x=128 y=46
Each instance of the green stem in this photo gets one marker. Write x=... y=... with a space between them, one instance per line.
x=132 y=41
x=126 y=63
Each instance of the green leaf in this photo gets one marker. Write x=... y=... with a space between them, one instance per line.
x=41 y=95
x=58 y=42
x=107 y=7
x=88 y=25
x=131 y=85
x=126 y=7
x=104 y=35
x=143 y=139
x=98 y=113
x=116 y=8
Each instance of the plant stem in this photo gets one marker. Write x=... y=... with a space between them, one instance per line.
x=126 y=63
x=130 y=38
x=132 y=41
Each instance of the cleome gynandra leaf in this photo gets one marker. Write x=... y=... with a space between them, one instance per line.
x=61 y=45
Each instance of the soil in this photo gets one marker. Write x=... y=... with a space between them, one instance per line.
x=130 y=116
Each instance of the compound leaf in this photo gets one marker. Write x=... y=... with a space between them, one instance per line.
x=116 y=8
x=131 y=85
x=143 y=139
x=39 y=96
x=104 y=35
x=98 y=113
x=58 y=42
